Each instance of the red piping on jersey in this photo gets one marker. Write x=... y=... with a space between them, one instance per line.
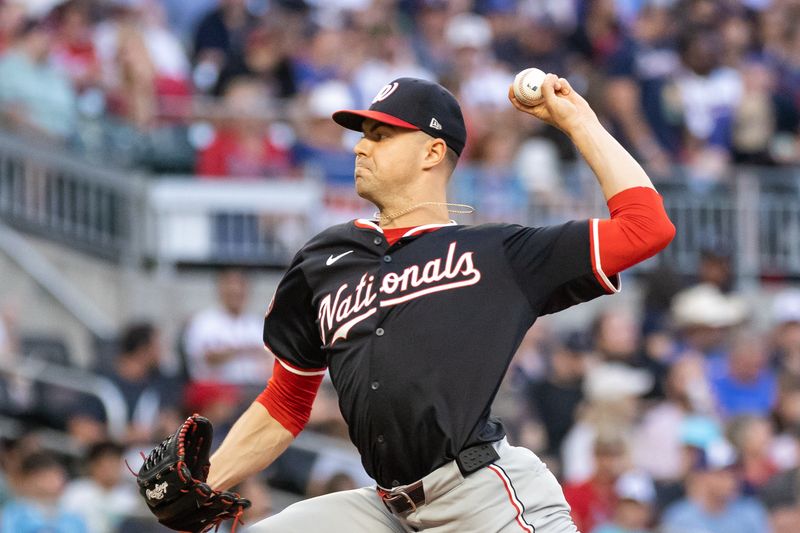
x=427 y=227
x=638 y=229
x=395 y=234
x=297 y=370
x=597 y=268
x=289 y=396
x=511 y=497
x=367 y=224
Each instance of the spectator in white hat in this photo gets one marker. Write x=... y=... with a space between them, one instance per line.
x=476 y=72
x=612 y=392
x=719 y=308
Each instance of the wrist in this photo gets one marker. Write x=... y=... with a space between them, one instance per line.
x=221 y=475
x=583 y=128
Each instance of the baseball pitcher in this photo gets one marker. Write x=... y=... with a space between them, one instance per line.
x=416 y=319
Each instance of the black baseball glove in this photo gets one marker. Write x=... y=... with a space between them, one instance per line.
x=172 y=481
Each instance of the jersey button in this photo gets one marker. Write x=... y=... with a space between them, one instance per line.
x=387 y=258
x=380 y=439
x=379 y=332
x=375 y=385
x=377 y=240
x=395 y=483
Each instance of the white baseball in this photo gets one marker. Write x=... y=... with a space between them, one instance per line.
x=528 y=86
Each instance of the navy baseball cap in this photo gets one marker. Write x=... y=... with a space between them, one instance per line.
x=414 y=104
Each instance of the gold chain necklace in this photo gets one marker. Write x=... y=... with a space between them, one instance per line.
x=465 y=210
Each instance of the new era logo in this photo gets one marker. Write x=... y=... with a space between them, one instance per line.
x=435 y=124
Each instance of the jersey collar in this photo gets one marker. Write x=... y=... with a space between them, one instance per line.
x=365 y=223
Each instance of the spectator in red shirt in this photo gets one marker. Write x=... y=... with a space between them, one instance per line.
x=12 y=19
x=242 y=146
x=144 y=67
x=753 y=437
x=593 y=501
x=73 y=49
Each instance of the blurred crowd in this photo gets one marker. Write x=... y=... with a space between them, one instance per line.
x=245 y=88
x=680 y=415
x=84 y=482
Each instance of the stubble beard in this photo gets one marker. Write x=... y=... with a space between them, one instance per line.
x=367 y=187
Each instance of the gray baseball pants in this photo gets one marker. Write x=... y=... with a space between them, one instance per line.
x=516 y=494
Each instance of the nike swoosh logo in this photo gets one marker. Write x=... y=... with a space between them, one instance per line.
x=331 y=260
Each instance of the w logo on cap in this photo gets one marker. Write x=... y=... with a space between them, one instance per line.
x=384 y=93
x=414 y=104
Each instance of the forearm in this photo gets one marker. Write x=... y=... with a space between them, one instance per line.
x=615 y=168
x=252 y=444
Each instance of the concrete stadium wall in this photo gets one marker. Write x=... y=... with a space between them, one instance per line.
x=168 y=299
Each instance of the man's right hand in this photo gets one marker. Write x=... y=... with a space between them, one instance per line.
x=560 y=106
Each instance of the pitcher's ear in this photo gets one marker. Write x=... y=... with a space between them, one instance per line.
x=436 y=152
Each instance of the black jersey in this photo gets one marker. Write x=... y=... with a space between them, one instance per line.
x=417 y=336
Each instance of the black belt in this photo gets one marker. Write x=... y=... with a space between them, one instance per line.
x=412 y=496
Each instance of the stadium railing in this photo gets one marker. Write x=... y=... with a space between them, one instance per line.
x=50 y=193
x=752 y=213
x=251 y=222
x=72 y=379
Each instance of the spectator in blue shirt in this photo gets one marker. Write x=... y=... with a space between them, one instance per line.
x=35 y=97
x=37 y=507
x=638 y=73
x=220 y=36
x=321 y=148
x=714 y=503
x=742 y=382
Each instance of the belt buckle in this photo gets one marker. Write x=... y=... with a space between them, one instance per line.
x=408 y=500
x=389 y=498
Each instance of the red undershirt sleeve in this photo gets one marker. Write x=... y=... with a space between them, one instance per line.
x=638 y=229
x=290 y=394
